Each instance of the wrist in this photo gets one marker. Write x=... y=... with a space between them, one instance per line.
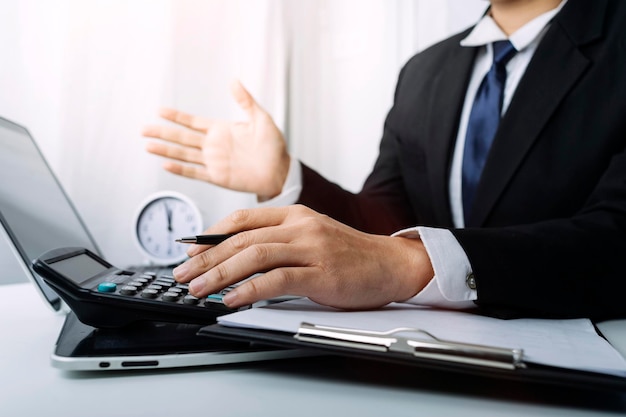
x=414 y=269
x=277 y=182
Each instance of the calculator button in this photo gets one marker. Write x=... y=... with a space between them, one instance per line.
x=170 y=296
x=149 y=293
x=190 y=299
x=107 y=287
x=176 y=290
x=214 y=298
x=154 y=287
x=167 y=278
x=136 y=283
x=128 y=290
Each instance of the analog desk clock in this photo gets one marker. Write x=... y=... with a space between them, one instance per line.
x=161 y=219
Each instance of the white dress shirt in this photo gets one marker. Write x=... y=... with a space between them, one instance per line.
x=449 y=288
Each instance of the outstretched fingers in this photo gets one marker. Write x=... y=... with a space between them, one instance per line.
x=191 y=155
x=190 y=121
x=174 y=135
x=189 y=171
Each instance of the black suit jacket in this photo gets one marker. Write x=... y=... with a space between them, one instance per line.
x=547 y=234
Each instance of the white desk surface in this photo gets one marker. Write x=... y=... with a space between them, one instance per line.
x=321 y=386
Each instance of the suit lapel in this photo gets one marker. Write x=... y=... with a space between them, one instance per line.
x=449 y=86
x=553 y=71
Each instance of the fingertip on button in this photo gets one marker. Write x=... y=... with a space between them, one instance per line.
x=180 y=271
x=230 y=298
x=196 y=286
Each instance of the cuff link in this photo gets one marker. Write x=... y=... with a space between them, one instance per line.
x=470 y=281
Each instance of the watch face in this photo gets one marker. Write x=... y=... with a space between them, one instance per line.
x=161 y=221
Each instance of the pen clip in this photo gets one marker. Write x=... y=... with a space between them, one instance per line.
x=394 y=341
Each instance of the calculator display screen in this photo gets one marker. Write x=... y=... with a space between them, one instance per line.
x=78 y=268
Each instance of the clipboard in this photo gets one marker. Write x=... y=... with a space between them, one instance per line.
x=415 y=347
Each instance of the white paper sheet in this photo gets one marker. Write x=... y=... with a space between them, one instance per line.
x=570 y=344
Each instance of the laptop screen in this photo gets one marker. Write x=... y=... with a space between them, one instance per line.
x=34 y=209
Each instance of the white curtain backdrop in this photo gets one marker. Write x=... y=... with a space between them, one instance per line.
x=86 y=75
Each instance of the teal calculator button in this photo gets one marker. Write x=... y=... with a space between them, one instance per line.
x=215 y=297
x=107 y=287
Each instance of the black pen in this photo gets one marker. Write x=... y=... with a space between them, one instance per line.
x=205 y=239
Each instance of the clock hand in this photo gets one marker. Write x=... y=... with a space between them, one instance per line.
x=168 y=212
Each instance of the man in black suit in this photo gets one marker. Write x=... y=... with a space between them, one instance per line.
x=544 y=233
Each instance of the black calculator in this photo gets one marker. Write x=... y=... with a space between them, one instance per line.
x=104 y=296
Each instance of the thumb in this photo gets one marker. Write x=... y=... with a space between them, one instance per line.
x=244 y=99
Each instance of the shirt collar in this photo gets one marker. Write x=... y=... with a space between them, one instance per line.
x=487 y=31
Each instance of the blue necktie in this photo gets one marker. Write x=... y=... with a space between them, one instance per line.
x=483 y=121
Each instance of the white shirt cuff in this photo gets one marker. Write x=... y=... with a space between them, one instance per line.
x=448 y=288
x=291 y=189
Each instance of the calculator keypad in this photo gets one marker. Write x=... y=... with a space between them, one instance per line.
x=151 y=286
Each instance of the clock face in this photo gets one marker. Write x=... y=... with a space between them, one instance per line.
x=161 y=220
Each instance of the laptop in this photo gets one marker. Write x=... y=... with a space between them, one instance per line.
x=36 y=215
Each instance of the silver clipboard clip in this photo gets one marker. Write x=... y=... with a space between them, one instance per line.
x=395 y=341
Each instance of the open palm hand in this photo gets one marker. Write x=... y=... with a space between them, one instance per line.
x=247 y=156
